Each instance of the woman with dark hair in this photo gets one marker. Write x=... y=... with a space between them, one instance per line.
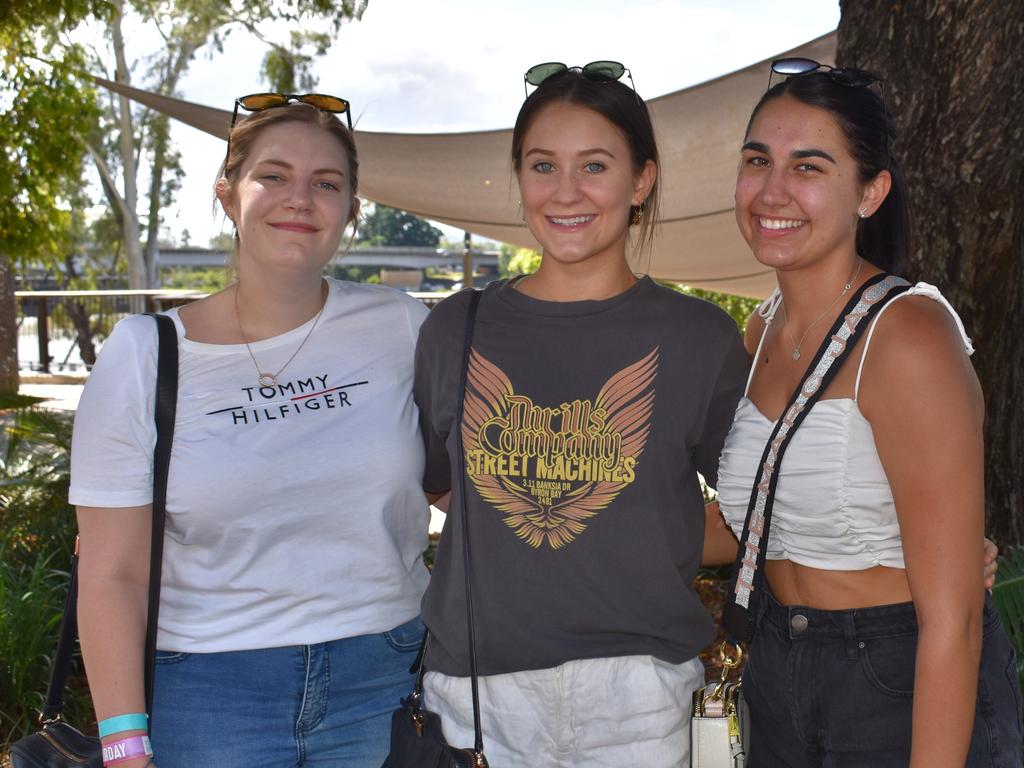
x=877 y=645
x=594 y=398
x=296 y=520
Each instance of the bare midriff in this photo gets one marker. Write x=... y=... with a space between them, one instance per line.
x=794 y=584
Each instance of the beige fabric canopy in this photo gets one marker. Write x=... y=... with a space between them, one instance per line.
x=464 y=179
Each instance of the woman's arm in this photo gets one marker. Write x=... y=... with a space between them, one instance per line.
x=113 y=596
x=720 y=545
x=924 y=403
x=440 y=500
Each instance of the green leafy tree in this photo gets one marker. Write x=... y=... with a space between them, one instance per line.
x=52 y=116
x=513 y=261
x=287 y=68
x=739 y=308
x=188 y=27
x=48 y=113
x=390 y=226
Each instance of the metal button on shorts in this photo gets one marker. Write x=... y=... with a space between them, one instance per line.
x=798 y=623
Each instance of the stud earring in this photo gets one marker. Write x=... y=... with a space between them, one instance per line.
x=863 y=213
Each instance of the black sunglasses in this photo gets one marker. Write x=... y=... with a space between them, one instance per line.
x=598 y=71
x=848 y=76
x=841 y=75
x=257 y=102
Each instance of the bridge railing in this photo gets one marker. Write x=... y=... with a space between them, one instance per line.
x=62 y=331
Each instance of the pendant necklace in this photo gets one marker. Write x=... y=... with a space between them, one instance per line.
x=846 y=289
x=264 y=378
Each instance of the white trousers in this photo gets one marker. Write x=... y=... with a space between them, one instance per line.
x=619 y=712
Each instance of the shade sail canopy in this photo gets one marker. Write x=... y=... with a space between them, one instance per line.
x=465 y=180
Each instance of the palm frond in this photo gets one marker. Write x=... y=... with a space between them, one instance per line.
x=10 y=401
x=1008 y=596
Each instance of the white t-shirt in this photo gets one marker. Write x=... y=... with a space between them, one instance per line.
x=295 y=514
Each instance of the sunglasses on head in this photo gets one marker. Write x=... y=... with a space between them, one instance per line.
x=848 y=76
x=841 y=75
x=598 y=71
x=257 y=102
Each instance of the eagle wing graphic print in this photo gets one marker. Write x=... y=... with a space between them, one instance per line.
x=550 y=470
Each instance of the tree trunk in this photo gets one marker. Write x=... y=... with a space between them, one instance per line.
x=952 y=79
x=78 y=311
x=8 y=329
x=130 y=230
x=156 y=180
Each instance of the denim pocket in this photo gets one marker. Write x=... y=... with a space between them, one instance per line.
x=406 y=637
x=888 y=664
x=170 y=657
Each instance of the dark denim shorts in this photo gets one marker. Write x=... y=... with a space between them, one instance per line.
x=835 y=688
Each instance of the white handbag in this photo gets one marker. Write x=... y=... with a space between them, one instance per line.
x=719 y=722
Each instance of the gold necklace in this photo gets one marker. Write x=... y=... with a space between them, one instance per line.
x=270 y=379
x=846 y=289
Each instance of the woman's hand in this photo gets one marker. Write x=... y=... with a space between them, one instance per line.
x=991 y=563
x=439 y=500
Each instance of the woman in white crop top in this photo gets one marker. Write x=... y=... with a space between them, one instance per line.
x=868 y=649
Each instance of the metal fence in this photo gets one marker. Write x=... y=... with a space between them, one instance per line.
x=62 y=331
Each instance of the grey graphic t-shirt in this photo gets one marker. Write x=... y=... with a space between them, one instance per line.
x=585 y=426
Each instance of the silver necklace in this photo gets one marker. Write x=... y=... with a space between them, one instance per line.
x=270 y=379
x=846 y=289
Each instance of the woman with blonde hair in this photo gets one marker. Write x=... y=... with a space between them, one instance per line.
x=296 y=520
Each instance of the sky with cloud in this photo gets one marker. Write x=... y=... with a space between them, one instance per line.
x=457 y=65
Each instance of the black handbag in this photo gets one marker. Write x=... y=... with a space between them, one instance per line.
x=58 y=744
x=416 y=737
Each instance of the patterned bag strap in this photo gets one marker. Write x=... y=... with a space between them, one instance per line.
x=747 y=583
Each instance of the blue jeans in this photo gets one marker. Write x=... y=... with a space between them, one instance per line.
x=328 y=704
x=835 y=688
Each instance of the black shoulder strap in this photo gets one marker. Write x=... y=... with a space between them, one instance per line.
x=54 y=703
x=166 y=402
x=419 y=665
x=164 y=413
x=748 y=572
x=474 y=301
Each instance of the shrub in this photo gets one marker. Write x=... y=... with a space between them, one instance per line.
x=36 y=540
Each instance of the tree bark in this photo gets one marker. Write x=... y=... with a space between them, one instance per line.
x=130 y=230
x=8 y=329
x=952 y=79
x=78 y=311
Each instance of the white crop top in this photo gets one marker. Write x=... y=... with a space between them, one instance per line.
x=833 y=506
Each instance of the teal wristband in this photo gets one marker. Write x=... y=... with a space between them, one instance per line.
x=134 y=722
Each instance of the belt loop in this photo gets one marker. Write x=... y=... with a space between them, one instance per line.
x=850 y=634
x=850 y=624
